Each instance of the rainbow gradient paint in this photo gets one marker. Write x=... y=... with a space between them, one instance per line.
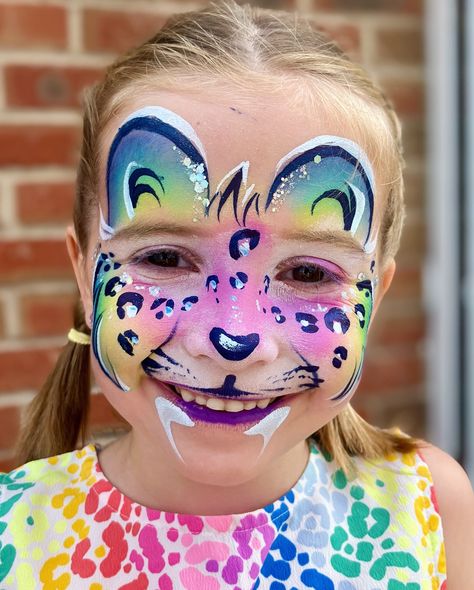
x=146 y=302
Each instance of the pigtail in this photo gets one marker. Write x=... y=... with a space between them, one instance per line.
x=348 y=435
x=56 y=419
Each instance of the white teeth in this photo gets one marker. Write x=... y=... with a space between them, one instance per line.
x=234 y=406
x=263 y=403
x=220 y=404
x=187 y=396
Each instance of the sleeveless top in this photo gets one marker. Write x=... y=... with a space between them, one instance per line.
x=63 y=524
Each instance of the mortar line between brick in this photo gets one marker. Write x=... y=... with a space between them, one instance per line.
x=8 y=214
x=15 y=398
x=40 y=343
x=40 y=117
x=63 y=59
x=45 y=288
x=11 y=316
x=74 y=27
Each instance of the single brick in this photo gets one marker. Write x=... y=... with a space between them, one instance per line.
x=114 y=31
x=51 y=202
x=36 y=259
x=399 y=46
x=403 y=6
x=392 y=370
x=47 y=315
x=47 y=86
x=25 y=369
x=346 y=36
x=102 y=415
x=28 y=26
x=10 y=421
x=38 y=144
x=408 y=97
x=407 y=282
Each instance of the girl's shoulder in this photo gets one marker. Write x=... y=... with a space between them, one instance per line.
x=455 y=500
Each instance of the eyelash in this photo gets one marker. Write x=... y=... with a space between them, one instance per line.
x=327 y=278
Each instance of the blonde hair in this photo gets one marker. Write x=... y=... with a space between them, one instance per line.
x=250 y=48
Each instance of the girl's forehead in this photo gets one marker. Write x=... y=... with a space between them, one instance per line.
x=233 y=128
x=180 y=150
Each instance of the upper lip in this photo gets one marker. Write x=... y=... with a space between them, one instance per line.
x=215 y=392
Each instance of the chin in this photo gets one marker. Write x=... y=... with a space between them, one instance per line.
x=212 y=460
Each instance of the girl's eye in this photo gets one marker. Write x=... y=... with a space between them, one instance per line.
x=163 y=263
x=310 y=278
x=167 y=258
x=308 y=273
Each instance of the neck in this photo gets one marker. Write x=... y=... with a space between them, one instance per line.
x=139 y=471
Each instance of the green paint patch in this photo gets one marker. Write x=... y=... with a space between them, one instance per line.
x=357 y=492
x=339 y=479
x=365 y=551
x=399 y=559
x=338 y=538
x=345 y=566
x=30 y=520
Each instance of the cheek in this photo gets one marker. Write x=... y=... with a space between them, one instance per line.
x=331 y=336
x=130 y=320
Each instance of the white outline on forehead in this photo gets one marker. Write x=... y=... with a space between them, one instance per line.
x=350 y=146
x=172 y=119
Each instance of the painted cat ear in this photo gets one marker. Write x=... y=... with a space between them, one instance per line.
x=152 y=149
x=309 y=169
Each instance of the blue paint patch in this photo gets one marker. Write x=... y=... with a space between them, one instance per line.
x=238 y=282
x=129 y=305
x=359 y=310
x=233 y=348
x=307 y=322
x=242 y=242
x=188 y=302
x=128 y=340
x=337 y=321
x=279 y=318
x=266 y=283
x=212 y=282
x=341 y=355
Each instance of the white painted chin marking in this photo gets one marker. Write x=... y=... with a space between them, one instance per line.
x=268 y=425
x=169 y=413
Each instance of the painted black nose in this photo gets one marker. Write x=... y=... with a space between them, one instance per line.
x=233 y=348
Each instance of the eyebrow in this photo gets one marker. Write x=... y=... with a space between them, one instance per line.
x=336 y=238
x=142 y=229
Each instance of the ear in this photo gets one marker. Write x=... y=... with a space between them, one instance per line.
x=80 y=270
x=384 y=283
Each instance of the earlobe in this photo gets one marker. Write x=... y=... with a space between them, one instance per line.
x=80 y=271
x=384 y=283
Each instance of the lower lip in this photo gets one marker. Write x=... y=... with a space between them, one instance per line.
x=204 y=414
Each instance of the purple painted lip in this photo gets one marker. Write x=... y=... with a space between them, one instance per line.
x=205 y=414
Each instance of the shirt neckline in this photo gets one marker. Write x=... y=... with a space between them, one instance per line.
x=277 y=511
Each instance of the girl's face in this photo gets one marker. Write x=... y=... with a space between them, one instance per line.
x=234 y=276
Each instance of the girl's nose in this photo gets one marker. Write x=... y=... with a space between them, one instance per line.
x=233 y=347
x=231 y=350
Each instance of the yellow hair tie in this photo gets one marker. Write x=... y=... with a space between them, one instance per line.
x=78 y=337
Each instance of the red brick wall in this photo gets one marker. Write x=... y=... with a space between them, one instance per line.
x=48 y=52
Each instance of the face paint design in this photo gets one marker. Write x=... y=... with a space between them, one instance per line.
x=157 y=175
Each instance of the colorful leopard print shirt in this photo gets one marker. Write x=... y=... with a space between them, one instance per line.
x=64 y=525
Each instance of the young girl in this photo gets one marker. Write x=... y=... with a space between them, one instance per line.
x=239 y=206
